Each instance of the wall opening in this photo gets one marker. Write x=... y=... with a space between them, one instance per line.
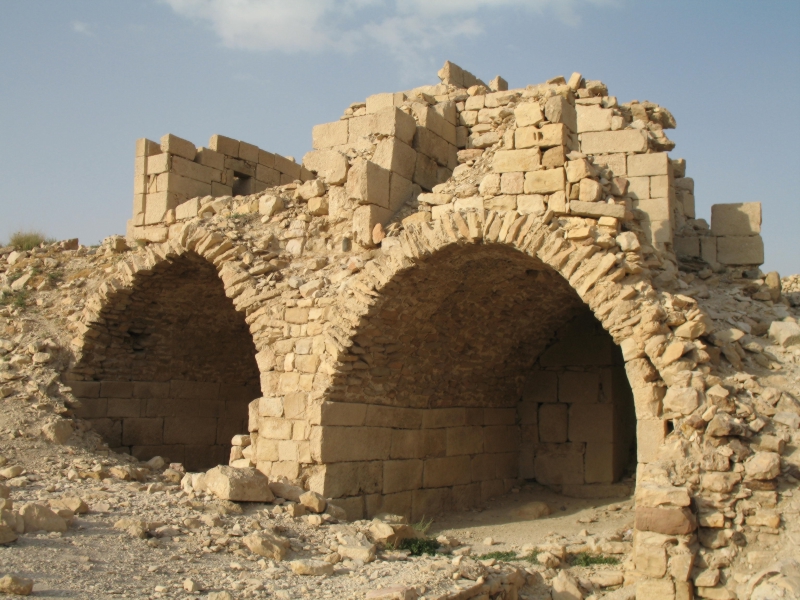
x=176 y=371
x=476 y=369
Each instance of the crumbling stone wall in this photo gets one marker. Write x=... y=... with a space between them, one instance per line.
x=361 y=332
x=176 y=370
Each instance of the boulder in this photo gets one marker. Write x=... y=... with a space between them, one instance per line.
x=313 y=501
x=763 y=466
x=785 y=333
x=238 y=485
x=57 y=432
x=16 y=586
x=311 y=567
x=7 y=535
x=268 y=544
x=287 y=491
x=565 y=587
x=38 y=517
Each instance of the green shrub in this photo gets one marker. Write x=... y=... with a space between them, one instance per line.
x=28 y=240
x=419 y=546
x=585 y=559
x=506 y=556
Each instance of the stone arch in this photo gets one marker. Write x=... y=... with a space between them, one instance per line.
x=578 y=275
x=166 y=363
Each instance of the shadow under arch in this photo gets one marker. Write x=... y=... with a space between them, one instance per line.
x=474 y=367
x=170 y=367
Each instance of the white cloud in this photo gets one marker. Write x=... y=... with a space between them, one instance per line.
x=405 y=27
x=81 y=27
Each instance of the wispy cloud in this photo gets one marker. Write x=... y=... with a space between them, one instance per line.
x=81 y=28
x=407 y=28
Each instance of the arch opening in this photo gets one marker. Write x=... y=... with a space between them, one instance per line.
x=476 y=369
x=174 y=369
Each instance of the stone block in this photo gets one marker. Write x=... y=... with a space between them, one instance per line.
x=109 y=429
x=545 y=182
x=541 y=386
x=740 y=250
x=657 y=209
x=394 y=122
x=248 y=152
x=402 y=475
x=433 y=146
x=501 y=438
x=125 y=407
x=559 y=464
x=655 y=589
x=434 y=418
x=400 y=191
x=464 y=440
x=116 y=389
x=342 y=413
x=368 y=183
x=238 y=485
x=288 y=167
x=364 y=220
x=553 y=421
x=196 y=431
x=343 y=444
x=616 y=163
x=157 y=205
x=645 y=165
x=558 y=110
x=426 y=172
x=650 y=434
x=329 y=135
x=378 y=102
x=638 y=188
x=600 y=465
x=527 y=114
x=181 y=186
x=593 y=118
x=178 y=146
x=533 y=204
x=395 y=417
x=549 y=136
x=210 y=158
x=92 y=408
x=661 y=187
x=143 y=432
x=145 y=147
x=224 y=145
x=510 y=161
x=579 y=386
x=740 y=219
x=396 y=156
x=429 y=502
x=665 y=520
x=611 y=142
x=270 y=175
x=198 y=390
x=591 y=423
x=330 y=165
x=452 y=74
x=447 y=471
x=192 y=170
x=85 y=389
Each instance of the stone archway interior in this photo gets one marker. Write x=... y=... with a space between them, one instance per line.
x=476 y=368
x=176 y=371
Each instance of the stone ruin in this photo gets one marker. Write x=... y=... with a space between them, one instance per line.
x=461 y=287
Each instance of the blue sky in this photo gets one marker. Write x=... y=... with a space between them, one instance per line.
x=80 y=80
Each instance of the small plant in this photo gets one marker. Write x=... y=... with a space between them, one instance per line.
x=15 y=299
x=533 y=557
x=20 y=299
x=506 y=556
x=585 y=559
x=419 y=546
x=28 y=240
x=423 y=525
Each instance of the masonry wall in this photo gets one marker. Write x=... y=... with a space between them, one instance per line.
x=177 y=372
x=577 y=414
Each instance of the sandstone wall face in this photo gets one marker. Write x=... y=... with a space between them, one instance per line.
x=497 y=323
